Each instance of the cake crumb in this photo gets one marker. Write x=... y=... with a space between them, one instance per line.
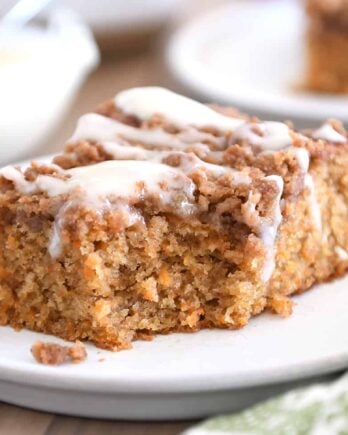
x=281 y=305
x=55 y=354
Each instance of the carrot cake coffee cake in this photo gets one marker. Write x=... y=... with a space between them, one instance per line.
x=327 y=46
x=163 y=214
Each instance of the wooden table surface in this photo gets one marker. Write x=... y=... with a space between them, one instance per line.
x=19 y=421
x=143 y=69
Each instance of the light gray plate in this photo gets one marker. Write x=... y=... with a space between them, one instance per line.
x=185 y=375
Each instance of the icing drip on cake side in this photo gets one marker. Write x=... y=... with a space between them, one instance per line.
x=342 y=254
x=265 y=228
x=269 y=231
x=313 y=204
x=129 y=216
x=303 y=159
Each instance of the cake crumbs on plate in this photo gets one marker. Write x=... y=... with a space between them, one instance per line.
x=55 y=354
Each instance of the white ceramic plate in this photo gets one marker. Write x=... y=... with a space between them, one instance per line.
x=185 y=375
x=250 y=53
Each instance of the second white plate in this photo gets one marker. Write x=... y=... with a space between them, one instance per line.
x=250 y=54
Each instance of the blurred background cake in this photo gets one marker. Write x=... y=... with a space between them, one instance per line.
x=327 y=46
x=209 y=50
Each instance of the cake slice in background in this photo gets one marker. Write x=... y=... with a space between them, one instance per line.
x=327 y=46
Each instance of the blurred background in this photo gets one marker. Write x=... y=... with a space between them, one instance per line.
x=132 y=37
x=61 y=58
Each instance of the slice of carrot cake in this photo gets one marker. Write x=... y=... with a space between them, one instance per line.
x=163 y=214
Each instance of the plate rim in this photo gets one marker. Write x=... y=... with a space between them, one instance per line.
x=55 y=377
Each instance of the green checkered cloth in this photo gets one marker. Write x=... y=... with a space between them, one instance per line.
x=317 y=410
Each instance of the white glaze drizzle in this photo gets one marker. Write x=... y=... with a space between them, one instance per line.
x=128 y=152
x=327 y=132
x=119 y=178
x=55 y=243
x=269 y=231
x=302 y=157
x=179 y=110
x=300 y=154
x=130 y=216
x=182 y=112
x=266 y=228
x=102 y=129
x=189 y=162
x=16 y=176
x=313 y=203
x=341 y=253
x=268 y=135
